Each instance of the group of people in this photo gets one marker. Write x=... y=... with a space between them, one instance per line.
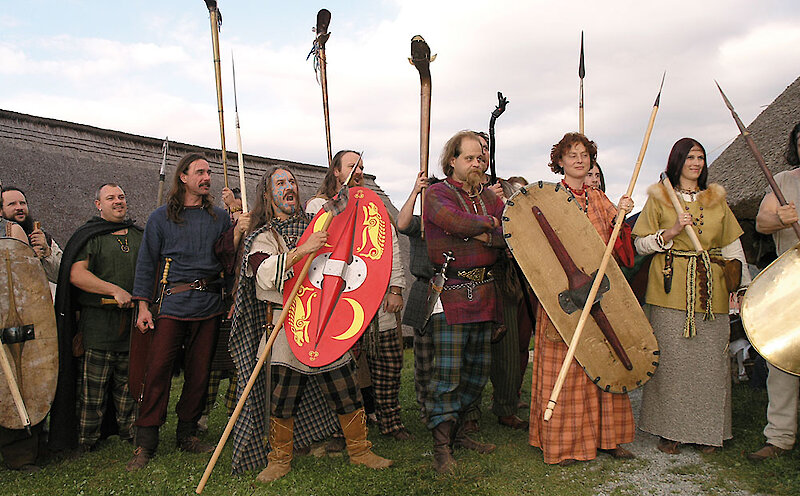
x=131 y=301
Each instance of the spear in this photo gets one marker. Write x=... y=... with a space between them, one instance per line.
x=757 y=155
x=162 y=172
x=321 y=64
x=598 y=278
x=581 y=74
x=421 y=59
x=216 y=25
x=242 y=185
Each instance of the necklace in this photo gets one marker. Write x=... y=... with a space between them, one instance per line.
x=574 y=194
x=480 y=190
x=123 y=244
x=696 y=221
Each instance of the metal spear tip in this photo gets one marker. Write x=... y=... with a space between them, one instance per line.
x=727 y=102
x=211 y=4
x=663 y=176
x=658 y=97
x=581 y=67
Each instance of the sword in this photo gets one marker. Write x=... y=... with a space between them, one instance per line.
x=437 y=284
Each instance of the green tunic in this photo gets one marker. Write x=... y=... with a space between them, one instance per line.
x=107 y=327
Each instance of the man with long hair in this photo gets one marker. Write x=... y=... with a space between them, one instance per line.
x=178 y=246
x=295 y=416
x=463 y=217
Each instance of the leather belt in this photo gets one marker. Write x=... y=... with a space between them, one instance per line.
x=205 y=284
x=476 y=274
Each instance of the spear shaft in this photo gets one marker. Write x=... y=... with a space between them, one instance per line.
x=598 y=278
x=421 y=59
x=242 y=185
x=216 y=22
x=323 y=21
x=776 y=190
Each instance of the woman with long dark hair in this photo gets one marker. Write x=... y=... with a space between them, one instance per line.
x=689 y=398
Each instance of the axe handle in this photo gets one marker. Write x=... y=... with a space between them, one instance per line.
x=599 y=316
x=259 y=364
x=679 y=210
x=15 y=392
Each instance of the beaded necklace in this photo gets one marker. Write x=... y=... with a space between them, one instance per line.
x=697 y=222
x=123 y=244
x=575 y=193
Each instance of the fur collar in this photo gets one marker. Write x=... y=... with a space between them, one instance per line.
x=714 y=194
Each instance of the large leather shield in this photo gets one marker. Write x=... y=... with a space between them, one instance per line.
x=538 y=260
x=29 y=336
x=345 y=284
x=771 y=312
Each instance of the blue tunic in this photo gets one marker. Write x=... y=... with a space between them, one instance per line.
x=190 y=245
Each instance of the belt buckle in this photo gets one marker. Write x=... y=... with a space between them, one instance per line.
x=198 y=284
x=474 y=275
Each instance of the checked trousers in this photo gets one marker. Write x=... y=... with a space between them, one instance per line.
x=99 y=369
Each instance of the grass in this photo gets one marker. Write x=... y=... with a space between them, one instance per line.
x=514 y=469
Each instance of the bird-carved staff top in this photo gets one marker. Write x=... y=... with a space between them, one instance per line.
x=501 y=107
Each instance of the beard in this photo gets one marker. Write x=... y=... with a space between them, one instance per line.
x=27 y=224
x=474 y=179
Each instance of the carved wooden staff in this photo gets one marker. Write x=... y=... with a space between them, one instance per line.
x=759 y=158
x=581 y=74
x=162 y=172
x=498 y=111
x=216 y=25
x=598 y=278
x=242 y=185
x=421 y=59
x=264 y=353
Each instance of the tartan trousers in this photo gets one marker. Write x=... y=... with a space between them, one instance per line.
x=460 y=368
x=385 y=367
x=214 y=379
x=423 y=366
x=339 y=387
x=99 y=368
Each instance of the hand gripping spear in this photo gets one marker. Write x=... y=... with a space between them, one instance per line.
x=598 y=278
x=421 y=59
x=581 y=74
x=216 y=25
x=757 y=155
x=321 y=64
x=242 y=185
x=162 y=172
x=341 y=196
x=501 y=107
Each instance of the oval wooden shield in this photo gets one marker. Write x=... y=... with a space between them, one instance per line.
x=538 y=261
x=770 y=312
x=25 y=300
x=364 y=229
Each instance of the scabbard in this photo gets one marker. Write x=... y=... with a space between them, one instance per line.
x=667 y=272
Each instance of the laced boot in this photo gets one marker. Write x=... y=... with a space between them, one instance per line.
x=461 y=440
x=281 y=432
x=146 y=441
x=354 y=426
x=443 y=461
x=186 y=436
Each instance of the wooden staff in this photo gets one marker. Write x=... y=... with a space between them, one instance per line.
x=162 y=172
x=497 y=112
x=776 y=190
x=216 y=24
x=562 y=375
x=323 y=21
x=421 y=59
x=263 y=357
x=679 y=210
x=242 y=185
x=581 y=74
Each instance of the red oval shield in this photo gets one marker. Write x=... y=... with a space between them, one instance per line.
x=346 y=282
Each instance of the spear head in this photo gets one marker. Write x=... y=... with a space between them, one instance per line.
x=581 y=67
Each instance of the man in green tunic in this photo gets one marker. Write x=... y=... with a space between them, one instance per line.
x=103 y=271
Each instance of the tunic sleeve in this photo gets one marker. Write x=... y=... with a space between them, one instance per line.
x=148 y=261
x=272 y=272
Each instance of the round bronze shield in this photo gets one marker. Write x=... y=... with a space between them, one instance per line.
x=30 y=339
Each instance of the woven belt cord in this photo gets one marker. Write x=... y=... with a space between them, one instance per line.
x=689 y=328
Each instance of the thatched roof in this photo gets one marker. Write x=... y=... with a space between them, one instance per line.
x=60 y=164
x=737 y=170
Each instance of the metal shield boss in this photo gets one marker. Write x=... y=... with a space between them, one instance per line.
x=543 y=270
x=346 y=282
x=771 y=312
x=29 y=336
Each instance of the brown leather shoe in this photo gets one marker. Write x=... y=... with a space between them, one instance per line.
x=668 y=447
x=443 y=461
x=513 y=422
x=470 y=426
x=401 y=434
x=460 y=440
x=567 y=462
x=768 y=451
x=706 y=449
x=619 y=452
x=192 y=444
x=141 y=457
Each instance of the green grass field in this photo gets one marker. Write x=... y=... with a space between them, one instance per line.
x=515 y=468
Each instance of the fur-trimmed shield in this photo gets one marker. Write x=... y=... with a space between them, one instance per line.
x=30 y=339
x=544 y=272
x=346 y=282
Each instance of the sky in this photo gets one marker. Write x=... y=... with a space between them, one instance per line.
x=149 y=71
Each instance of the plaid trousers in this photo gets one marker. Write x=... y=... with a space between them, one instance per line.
x=423 y=366
x=339 y=387
x=100 y=368
x=385 y=367
x=214 y=379
x=460 y=368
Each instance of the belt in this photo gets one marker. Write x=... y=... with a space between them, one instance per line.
x=476 y=274
x=210 y=284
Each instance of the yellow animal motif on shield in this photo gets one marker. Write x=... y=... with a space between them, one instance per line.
x=375 y=231
x=358 y=321
x=299 y=316
x=321 y=222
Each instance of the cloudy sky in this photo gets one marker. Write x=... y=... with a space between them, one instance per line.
x=148 y=70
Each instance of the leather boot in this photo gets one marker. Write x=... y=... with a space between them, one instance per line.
x=146 y=441
x=354 y=426
x=281 y=432
x=462 y=441
x=186 y=436
x=443 y=461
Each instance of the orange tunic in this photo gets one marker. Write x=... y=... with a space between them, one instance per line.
x=586 y=418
